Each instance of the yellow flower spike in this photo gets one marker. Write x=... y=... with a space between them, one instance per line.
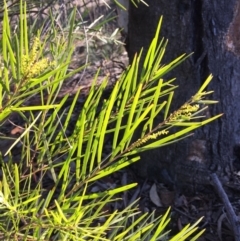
x=153 y=136
x=31 y=65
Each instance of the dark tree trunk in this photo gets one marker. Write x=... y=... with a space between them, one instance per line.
x=210 y=29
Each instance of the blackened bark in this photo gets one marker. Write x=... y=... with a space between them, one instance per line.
x=210 y=29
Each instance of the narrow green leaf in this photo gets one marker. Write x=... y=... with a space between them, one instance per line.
x=109 y=192
x=169 y=101
x=159 y=54
x=186 y=231
x=60 y=212
x=162 y=225
x=207 y=102
x=205 y=84
x=186 y=124
x=16 y=184
x=151 y=51
x=133 y=109
x=110 y=105
x=81 y=170
x=195 y=238
x=155 y=104
x=25 y=28
x=124 y=162
x=139 y=233
x=12 y=59
x=125 y=93
x=134 y=224
x=33 y=108
x=134 y=127
x=5 y=52
x=90 y=149
x=164 y=70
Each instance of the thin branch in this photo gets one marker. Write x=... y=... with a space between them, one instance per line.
x=233 y=218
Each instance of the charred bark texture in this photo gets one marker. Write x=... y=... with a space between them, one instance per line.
x=210 y=29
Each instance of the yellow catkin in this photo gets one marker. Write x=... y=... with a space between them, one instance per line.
x=31 y=64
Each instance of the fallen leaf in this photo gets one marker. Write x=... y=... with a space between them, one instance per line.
x=154 y=196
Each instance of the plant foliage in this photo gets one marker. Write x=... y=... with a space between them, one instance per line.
x=45 y=192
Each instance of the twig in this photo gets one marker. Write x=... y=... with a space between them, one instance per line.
x=229 y=209
x=219 y=225
x=183 y=213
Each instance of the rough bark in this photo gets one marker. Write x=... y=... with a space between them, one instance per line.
x=211 y=30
